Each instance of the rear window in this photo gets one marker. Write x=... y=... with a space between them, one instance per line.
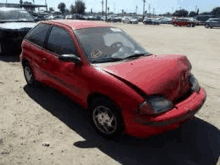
x=38 y=34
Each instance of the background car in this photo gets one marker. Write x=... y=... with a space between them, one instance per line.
x=151 y=21
x=14 y=25
x=115 y=19
x=126 y=20
x=70 y=16
x=203 y=18
x=165 y=20
x=184 y=22
x=134 y=20
x=212 y=22
x=130 y=20
x=103 y=69
x=55 y=17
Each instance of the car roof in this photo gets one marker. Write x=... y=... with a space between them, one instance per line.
x=79 y=24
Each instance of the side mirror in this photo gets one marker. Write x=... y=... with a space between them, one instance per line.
x=70 y=58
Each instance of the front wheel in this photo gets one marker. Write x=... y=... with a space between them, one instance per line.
x=106 y=118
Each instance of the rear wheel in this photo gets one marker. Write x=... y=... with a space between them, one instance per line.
x=207 y=25
x=106 y=118
x=29 y=76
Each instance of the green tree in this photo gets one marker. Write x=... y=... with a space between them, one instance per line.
x=62 y=7
x=80 y=7
x=72 y=9
x=192 y=14
x=51 y=9
x=216 y=11
x=29 y=6
x=181 y=13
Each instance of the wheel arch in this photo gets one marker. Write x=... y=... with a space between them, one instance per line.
x=96 y=95
x=24 y=61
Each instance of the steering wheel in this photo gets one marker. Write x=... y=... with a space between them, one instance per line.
x=117 y=45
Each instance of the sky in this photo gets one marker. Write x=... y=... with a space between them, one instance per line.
x=160 y=6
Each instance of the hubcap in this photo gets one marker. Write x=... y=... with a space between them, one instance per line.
x=104 y=120
x=28 y=74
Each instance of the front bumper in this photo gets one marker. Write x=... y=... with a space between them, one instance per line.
x=145 y=125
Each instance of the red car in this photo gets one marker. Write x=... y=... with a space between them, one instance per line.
x=124 y=87
x=184 y=22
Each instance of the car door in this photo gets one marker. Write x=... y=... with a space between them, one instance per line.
x=214 y=22
x=33 y=50
x=66 y=75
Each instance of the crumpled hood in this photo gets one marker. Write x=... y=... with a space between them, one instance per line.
x=17 y=25
x=165 y=75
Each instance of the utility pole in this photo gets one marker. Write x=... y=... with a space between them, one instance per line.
x=144 y=8
x=136 y=9
x=114 y=8
x=102 y=6
x=149 y=8
x=46 y=5
x=153 y=11
x=106 y=8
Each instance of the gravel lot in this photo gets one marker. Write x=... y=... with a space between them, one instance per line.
x=41 y=126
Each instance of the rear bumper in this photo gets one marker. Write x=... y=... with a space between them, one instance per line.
x=143 y=126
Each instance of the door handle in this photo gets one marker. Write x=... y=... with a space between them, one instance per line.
x=44 y=60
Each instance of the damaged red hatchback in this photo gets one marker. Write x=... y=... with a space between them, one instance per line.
x=124 y=87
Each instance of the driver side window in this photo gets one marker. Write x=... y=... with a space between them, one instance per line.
x=60 y=42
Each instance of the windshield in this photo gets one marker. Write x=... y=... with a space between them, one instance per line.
x=15 y=15
x=107 y=44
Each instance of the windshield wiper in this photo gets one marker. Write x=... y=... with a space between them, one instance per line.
x=137 y=55
x=107 y=60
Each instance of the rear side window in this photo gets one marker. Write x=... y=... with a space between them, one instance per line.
x=60 y=42
x=38 y=34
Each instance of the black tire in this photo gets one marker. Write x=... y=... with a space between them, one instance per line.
x=29 y=76
x=106 y=118
x=207 y=26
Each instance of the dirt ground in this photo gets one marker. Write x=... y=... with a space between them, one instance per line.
x=41 y=126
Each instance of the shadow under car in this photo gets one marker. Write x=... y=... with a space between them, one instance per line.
x=195 y=143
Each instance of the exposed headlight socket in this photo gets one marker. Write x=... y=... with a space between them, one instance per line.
x=194 y=82
x=155 y=105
